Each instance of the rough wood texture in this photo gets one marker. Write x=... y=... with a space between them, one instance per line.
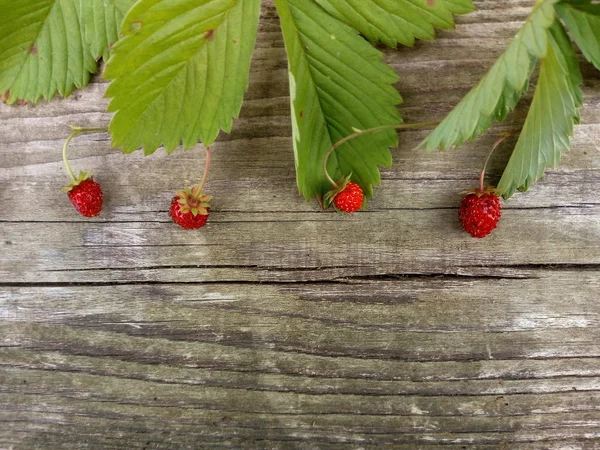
x=282 y=326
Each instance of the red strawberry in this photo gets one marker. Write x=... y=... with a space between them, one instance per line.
x=86 y=195
x=479 y=213
x=350 y=199
x=347 y=196
x=190 y=208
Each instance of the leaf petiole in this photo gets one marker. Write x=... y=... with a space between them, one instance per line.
x=358 y=133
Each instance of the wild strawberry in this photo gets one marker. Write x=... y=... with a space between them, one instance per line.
x=83 y=191
x=85 y=195
x=347 y=196
x=190 y=208
x=479 y=212
x=350 y=199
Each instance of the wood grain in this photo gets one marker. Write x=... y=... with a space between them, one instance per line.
x=282 y=326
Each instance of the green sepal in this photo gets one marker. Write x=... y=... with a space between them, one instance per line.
x=340 y=186
x=193 y=200
x=196 y=190
x=81 y=177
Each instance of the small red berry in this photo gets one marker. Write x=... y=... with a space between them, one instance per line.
x=187 y=220
x=190 y=208
x=350 y=199
x=479 y=213
x=86 y=196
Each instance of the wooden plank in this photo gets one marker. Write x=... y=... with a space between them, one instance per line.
x=296 y=247
x=313 y=364
x=310 y=364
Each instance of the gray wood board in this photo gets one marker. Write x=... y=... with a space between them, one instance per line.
x=279 y=325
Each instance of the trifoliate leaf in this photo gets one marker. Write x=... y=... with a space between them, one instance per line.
x=42 y=49
x=180 y=72
x=101 y=23
x=583 y=20
x=337 y=84
x=554 y=110
x=500 y=89
x=399 y=21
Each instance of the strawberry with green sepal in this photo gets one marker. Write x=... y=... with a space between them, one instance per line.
x=350 y=199
x=190 y=207
x=480 y=210
x=346 y=196
x=84 y=193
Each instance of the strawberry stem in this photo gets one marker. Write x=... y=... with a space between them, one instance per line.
x=76 y=131
x=500 y=140
x=66 y=159
x=358 y=133
x=206 y=168
x=83 y=130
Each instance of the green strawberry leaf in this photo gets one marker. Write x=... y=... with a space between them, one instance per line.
x=554 y=111
x=400 y=21
x=455 y=6
x=583 y=20
x=101 y=23
x=501 y=88
x=180 y=71
x=42 y=50
x=337 y=84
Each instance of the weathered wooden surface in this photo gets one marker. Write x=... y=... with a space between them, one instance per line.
x=279 y=325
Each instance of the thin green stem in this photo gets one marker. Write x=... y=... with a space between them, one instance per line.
x=401 y=126
x=82 y=130
x=206 y=168
x=500 y=140
x=66 y=159
x=76 y=131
